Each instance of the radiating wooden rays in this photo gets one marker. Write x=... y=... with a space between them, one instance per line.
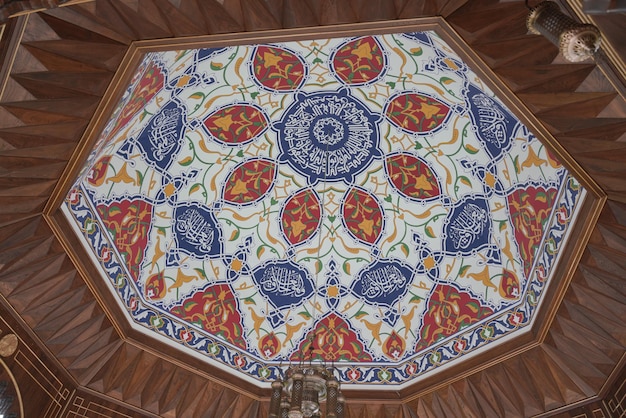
x=64 y=64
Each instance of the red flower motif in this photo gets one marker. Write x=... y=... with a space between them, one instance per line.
x=516 y=318
x=412 y=177
x=98 y=171
x=240 y=361
x=74 y=197
x=236 y=124
x=269 y=345
x=394 y=346
x=509 y=285
x=459 y=345
x=105 y=254
x=133 y=303
x=155 y=287
x=410 y=369
x=354 y=374
x=185 y=335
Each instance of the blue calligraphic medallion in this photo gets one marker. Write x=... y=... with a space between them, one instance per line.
x=196 y=231
x=383 y=283
x=328 y=128
x=467 y=227
x=283 y=283
x=161 y=139
x=495 y=124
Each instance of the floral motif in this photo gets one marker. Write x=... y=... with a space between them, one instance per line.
x=128 y=222
x=269 y=345
x=155 y=287
x=412 y=176
x=215 y=310
x=530 y=208
x=394 y=346
x=301 y=216
x=150 y=83
x=334 y=341
x=278 y=69
x=375 y=215
x=236 y=124
x=98 y=172
x=362 y=215
x=449 y=310
x=360 y=61
x=416 y=112
x=509 y=285
x=249 y=181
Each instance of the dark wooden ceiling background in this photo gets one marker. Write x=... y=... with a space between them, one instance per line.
x=61 y=68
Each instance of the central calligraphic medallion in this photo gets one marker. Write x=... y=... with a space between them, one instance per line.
x=328 y=135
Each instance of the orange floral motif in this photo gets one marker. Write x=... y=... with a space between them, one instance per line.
x=249 y=181
x=412 y=177
x=301 y=216
x=278 y=69
x=449 y=310
x=333 y=340
x=214 y=310
x=359 y=61
x=416 y=113
x=236 y=124
x=362 y=215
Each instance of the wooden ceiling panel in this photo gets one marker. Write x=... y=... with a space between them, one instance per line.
x=82 y=44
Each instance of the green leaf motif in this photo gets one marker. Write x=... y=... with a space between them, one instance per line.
x=201 y=273
x=415 y=298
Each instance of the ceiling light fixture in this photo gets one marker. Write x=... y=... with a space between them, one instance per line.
x=302 y=391
x=576 y=41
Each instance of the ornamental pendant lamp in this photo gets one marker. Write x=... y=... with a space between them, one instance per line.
x=576 y=41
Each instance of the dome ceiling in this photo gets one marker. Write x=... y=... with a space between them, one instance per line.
x=369 y=195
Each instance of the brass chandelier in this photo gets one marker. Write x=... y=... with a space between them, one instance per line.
x=576 y=41
x=303 y=390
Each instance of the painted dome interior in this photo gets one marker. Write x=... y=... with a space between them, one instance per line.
x=369 y=195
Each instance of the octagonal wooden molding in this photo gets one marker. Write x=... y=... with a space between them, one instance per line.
x=432 y=381
x=43 y=118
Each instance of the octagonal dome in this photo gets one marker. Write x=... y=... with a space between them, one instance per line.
x=367 y=201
